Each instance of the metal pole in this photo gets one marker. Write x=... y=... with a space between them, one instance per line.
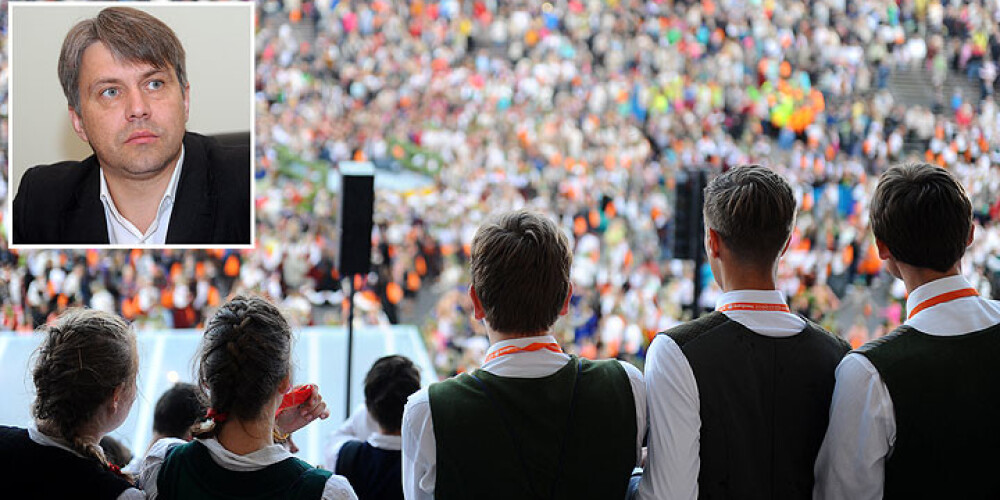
x=350 y=345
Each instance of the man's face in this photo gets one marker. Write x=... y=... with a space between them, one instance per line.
x=132 y=114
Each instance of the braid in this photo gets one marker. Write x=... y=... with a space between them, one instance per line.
x=244 y=355
x=84 y=358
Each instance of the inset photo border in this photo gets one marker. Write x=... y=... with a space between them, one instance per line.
x=218 y=41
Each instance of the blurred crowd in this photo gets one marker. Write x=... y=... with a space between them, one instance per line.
x=586 y=110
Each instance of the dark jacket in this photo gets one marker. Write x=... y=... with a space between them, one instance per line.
x=60 y=203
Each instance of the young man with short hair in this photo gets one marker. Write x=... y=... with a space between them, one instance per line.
x=738 y=399
x=533 y=422
x=914 y=413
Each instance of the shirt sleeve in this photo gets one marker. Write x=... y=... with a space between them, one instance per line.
x=338 y=488
x=860 y=435
x=150 y=468
x=419 y=448
x=674 y=424
x=639 y=395
x=132 y=494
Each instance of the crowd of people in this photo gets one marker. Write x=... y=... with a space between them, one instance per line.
x=585 y=111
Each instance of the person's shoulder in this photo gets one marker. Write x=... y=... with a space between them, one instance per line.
x=224 y=159
x=64 y=175
x=684 y=333
x=826 y=336
x=338 y=488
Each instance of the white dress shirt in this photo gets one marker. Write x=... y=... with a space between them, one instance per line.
x=337 y=487
x=674 y=443
x=122 y=232
x=419 y=444
x=862 y=429
x=35 y=435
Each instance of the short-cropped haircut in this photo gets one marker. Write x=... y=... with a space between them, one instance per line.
x=923 y=215
x=177 y=410
x=520 y=269
x=131 y=35
x=752 y=209
x=388 y=384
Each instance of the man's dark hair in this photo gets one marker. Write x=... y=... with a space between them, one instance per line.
x=177 y=410
x=922 y=214
x=389 y=382
x=520 y=269
x=752 y=209
x=131 y=35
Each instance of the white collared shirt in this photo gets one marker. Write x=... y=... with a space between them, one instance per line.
x=337 y=487
x=419 y=444
x=122 y=232
x=862 y=429
x=35 y=435
x=674 y=444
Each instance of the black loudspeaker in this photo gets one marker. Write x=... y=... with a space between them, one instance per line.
x=689 y=226
x=357 y=201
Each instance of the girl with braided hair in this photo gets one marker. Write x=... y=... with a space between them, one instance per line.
x=84 y=376
x=244 y=369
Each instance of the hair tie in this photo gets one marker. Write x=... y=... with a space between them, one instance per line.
x=216 y=416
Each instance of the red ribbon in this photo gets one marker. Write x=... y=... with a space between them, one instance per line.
x=217 y=416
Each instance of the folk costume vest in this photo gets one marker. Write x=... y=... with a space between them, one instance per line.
x=945 y=394
x=765 y=405
x=568 y=435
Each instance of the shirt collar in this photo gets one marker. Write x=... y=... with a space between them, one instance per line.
x=757 y=296
x=45 y=440
x=168 y=196
x=934 y=288
x=261 y=458
x=520 y=342
x=385 y=441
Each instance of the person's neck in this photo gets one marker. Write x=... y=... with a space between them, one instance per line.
x=243 y=437
x=496 y=337
x=743 y=277
x=138 y=199
x=915 y=277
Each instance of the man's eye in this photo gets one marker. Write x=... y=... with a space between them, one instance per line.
x=155 y=85
x=110 y=92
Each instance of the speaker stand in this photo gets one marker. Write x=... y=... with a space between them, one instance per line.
x=350 y=344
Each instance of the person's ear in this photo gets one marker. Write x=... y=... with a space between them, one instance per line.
x=713 y=242
x=77 y=124
x=285 y=384
x=569 y=295
x=187 y=100
x=972 y=235
x=477 y=307
x=883 y=250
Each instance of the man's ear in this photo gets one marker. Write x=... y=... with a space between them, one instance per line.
x=569 y=295
x=972 y=235
x=883 y=250
x=187 y=100
x=77 y=124
x=713 y=242
x=477 y=307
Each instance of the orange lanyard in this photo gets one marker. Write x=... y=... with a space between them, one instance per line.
x=754 y=306
x=512 y=349
x=944 y=297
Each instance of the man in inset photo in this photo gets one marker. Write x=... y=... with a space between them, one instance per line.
x=149 y=182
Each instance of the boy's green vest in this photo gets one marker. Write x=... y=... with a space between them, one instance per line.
x=525 y=438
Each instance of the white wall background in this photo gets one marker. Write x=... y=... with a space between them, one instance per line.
x=218 y=41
